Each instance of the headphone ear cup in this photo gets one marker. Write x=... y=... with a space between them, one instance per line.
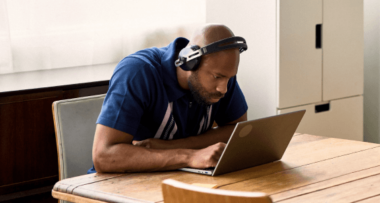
x=195 y=62
x=188 y=65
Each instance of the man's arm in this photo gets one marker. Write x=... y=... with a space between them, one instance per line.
x=212 y=136
x=113 y=152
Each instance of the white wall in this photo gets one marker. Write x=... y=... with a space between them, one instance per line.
x=256 y=22
x=371 y=70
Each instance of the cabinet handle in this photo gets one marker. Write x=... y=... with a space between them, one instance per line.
x=318 y=36
x=322 y=108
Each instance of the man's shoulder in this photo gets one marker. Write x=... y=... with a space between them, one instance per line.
x=151 y=56
x=145 y=62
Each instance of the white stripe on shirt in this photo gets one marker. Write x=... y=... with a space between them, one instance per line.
x=168 y=128
x=201 y=125
x=164 y=121
x=173 y=131
x=209 y=117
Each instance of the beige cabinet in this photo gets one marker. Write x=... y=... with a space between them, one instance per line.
x=341 y=118
x=343 y=36
x=300 y=62
x=300 y=54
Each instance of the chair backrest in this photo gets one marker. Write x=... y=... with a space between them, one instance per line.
x=75 y=123
x=174 y=191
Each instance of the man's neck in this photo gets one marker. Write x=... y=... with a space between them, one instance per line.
x=182 y=77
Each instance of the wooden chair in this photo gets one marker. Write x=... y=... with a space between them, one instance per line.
x=75 y=123
x=177 y=192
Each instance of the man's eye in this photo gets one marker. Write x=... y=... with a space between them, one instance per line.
x=216 y=77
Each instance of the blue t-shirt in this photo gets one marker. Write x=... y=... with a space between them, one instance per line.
x=145 y=100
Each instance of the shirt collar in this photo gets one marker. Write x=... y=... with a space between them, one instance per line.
x=174 y=91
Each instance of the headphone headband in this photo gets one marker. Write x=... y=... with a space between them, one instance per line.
x=224 y=44
x=183 y=58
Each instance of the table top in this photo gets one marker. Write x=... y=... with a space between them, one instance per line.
x=313 y=169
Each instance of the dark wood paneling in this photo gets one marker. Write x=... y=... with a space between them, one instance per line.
x=28 y=153
x=27 y=185
x=27 y=132
x=83 y=92
x=37 y=198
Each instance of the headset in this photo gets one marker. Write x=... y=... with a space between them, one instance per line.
x=189 y=58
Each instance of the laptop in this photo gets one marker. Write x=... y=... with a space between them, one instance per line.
x=254 y=143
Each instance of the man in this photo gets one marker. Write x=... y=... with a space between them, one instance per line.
x=157 y=116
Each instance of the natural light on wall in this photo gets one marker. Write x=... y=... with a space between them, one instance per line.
x=39 y=36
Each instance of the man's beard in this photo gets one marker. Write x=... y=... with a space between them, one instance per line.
x=199 y=93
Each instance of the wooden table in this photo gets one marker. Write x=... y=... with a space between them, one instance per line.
x=313 y=169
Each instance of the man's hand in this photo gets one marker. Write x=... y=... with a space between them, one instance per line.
x=202 y=158
x=207 y=157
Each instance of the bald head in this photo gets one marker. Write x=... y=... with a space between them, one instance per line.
x=210 y=33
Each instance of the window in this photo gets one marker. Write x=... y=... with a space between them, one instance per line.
x=48 y=43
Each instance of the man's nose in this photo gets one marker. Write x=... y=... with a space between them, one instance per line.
x=222 y=87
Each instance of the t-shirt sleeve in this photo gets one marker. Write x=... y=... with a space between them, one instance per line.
x=130 y=91
x=233 y=105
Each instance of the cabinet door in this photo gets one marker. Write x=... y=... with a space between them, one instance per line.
x=343 y=119
x=300 y=62
x=342 y=48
